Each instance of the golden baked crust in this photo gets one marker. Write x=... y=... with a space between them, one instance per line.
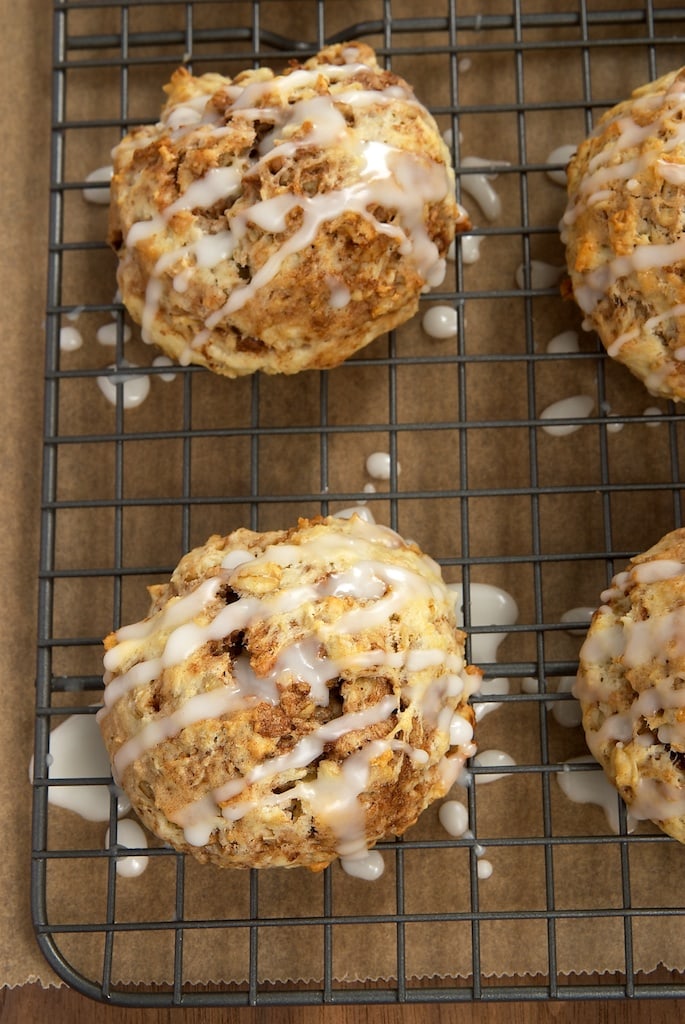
x=290 y=697
x=280 y=223
x=624 y=233
x=631 y=684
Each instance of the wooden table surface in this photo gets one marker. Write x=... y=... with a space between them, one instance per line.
x=63 y=1006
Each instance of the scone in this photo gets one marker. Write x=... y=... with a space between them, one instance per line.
x=624 y=230
x=281 y=222
x=292 y=696
x=631 y=684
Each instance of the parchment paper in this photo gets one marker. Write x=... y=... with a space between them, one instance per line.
x=577 y=884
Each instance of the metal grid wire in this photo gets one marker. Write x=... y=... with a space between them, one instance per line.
x=125 y=492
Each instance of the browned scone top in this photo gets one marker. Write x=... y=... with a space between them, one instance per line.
x=631 y=684
x=281 y=222
x=292 y=696
x=624 y=233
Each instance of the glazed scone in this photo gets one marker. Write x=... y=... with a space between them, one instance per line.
x=292 y=696
x=631 y=684
x=624 y=230
x=281 y=222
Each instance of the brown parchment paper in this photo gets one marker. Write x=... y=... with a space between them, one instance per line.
x=573 y=516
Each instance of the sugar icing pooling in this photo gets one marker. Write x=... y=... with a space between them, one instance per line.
x=488 y=606
x=76 y=751
x=479 y=185
x=133 y=388
x=592 y=787
x=575 y=407
x=492 y=759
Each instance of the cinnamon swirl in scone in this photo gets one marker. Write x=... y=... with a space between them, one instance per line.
x=281 y=222
x=292 y=696
x=631 y=684
x=624 y=230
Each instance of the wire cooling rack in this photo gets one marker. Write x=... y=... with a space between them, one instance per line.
x=572 y=906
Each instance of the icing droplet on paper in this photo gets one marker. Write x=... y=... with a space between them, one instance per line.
x=440 y=322
x=379 y=464
x=108 y=334
x=131 y=836
x=567 y=341
x=368 y=867
x=164 y=361
x=541 y=274
x=99 y=196
x=561 y=155
x=454 y=817
x=492 y=759
x=134 y=388
x=575 y=407
x=70 y=339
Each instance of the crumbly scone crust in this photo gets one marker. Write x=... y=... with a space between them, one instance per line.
x=624 y=230
x=336 y=211
x=631 y=684
x=319 y=589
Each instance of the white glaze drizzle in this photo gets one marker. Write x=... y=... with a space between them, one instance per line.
x=635 y=642
x=389 y=178
x=612 y=168
x=479 y=188
x=368 y=866
x=334 y=797
x=566 y=712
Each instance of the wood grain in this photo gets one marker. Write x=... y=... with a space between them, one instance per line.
x=64 y=1006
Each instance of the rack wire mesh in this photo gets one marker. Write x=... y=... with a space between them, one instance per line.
x=482 y=486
